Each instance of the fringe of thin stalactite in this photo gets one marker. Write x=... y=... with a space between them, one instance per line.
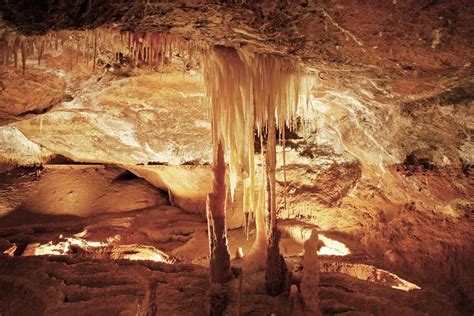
x=151 y=48
x=249 y=92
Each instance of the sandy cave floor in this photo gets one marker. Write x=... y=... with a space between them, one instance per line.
x=102 y=281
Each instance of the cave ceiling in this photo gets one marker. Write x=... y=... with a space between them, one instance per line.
x=392 y=77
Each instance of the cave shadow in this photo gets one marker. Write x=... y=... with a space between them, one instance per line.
x=22 y=227
x=22 y=216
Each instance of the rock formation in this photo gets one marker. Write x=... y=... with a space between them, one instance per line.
x=219 y=264
x=310 y=281
x=350 y=118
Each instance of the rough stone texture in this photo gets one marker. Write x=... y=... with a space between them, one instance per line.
x=393 y=84
x=46 y=88
x=428 y=212
x=77 y=190
x=59 y=285
x=87 y=284
x=188 y=187
x=370 y=76
x=17 y=149
x=106 y=131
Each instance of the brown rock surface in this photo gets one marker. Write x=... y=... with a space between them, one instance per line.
x=382 y=163
x=33 y=93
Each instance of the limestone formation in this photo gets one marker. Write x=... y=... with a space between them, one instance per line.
x=341 y=128
x=310 y=281
x=276 y=270
x=219 y=262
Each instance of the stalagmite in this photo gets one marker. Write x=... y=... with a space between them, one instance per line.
x=258 y=255
x=87 y=47
x=310 y=280
x=218 y=299
x=239 y=296
x=295 y=301
x=276 y=270
x=216 y=202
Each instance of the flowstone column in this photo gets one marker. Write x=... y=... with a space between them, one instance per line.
x=276 y=270
x=219 y=264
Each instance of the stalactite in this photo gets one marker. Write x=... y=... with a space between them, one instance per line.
x=77 y=53
x=2 y=50
x=283 y=145
x=86 y=47
x=40 y=49
x=258 y=254
x=16 y=46
x=269 y=82
x=95 y=51
x=23 y=56
x=271 y=169
x=6 y=47
x=247 y=92
x=170 y=52
x=162 y=58
x=152 y=50
x=30 y=50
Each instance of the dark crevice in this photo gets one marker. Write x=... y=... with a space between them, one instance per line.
x=126 y=175
x=35 y=111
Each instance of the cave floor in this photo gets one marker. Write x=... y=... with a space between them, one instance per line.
x=108 y=280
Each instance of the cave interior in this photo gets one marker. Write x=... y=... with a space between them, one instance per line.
x=236 y=157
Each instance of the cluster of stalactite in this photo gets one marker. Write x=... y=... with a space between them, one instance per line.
x=158 y=48
x=147 y=48
x=251 y=95
x=253 y=92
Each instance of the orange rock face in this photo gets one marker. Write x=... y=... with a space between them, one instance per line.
x=381 y=159
x=35 y=92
